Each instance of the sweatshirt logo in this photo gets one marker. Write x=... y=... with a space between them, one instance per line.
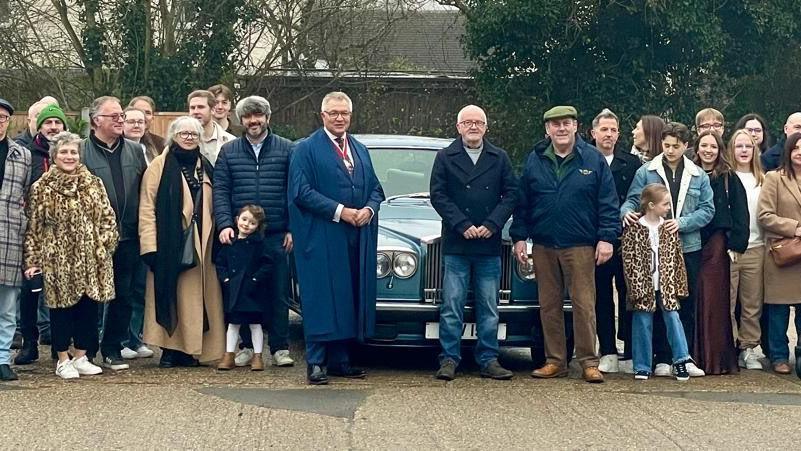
x=585 y=171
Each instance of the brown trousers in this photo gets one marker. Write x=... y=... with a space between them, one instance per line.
x=575 y=268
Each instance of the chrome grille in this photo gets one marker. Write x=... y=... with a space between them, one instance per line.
x=432 y=281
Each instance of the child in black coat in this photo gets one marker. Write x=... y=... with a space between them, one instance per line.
x=242 y=268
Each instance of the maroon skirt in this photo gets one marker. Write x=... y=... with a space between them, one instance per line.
x=715 y=351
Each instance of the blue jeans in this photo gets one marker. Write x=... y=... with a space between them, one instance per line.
x=642 y=333
x=485 y=272
x=8 y=321
x=778 y=321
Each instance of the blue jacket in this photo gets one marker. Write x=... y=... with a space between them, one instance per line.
x=577 y=209
x=241 y=179
x=694 y=207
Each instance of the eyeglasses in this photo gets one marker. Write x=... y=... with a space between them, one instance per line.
x=753 y=130
x=114 y=117
x=4 y=118
x=715 y=125
x=188 y=135
x=336 y=114
x=744 y=146
x=134 y=122
x=470 y=124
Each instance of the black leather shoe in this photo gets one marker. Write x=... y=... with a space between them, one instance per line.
x=347 y=371
x=315 y=375
x=186 y=360
x=6 y=373
x=167 y=359
x=28 y=354
x=16 y=342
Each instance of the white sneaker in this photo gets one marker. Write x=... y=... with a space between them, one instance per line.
x=128 y=353
x=626 y=366
x=143 y=352
x=609 y=364
x=694 y=370
x=749 y=359
x=243 y=357
x=281 y=358
x=663 y=370
x=85 y=368
x=65 y=370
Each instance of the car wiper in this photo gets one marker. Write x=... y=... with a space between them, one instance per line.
x=422 y=195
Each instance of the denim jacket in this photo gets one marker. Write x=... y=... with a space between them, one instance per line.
x=694 y=207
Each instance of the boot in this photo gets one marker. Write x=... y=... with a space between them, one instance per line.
x=257 y=364
x=28 y=354
x=227 y=362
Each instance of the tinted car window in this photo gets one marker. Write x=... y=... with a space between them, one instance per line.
x=403 y=171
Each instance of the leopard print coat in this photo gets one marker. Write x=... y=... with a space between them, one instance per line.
x=72 y=234
x=636 y=253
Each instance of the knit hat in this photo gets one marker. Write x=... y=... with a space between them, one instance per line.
x=51 y=111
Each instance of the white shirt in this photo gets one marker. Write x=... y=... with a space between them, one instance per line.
x=653 y=236
x=756 y=236
x=609 y=159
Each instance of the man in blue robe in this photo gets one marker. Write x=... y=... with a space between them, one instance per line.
x=334 y=196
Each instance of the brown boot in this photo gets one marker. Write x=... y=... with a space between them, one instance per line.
x=257 y=364
x=549 y=370
x=592 y=375
x=227 y=362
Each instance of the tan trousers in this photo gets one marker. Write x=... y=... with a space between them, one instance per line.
x=575 y=268
x=747 y=287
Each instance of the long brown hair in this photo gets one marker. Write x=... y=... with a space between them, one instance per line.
x=787 y=160
x=722 y=163
x=652 y=129
x=755 y=165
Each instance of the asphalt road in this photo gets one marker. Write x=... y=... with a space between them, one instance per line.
x=399 y=406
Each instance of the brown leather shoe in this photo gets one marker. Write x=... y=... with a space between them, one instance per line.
x=782 y=368
x=227 y=362
x=257 y=364
x=592 y=375
x=549 y=370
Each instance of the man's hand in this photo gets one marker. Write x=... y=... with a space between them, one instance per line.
x=349 y=215
x=471 y=233
x=484 y=232
x=603 y=252
x=672 y=225
x=630 y=218
x=520 y=252
x=363 y=216
x=288 y=243
x=227 y=235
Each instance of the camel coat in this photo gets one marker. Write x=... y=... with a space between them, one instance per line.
x=779 y=214
x=195 y=285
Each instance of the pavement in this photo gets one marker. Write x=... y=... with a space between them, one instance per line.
x=398 y=406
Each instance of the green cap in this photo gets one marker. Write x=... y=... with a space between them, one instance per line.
x=51 y=111
x=559 y=112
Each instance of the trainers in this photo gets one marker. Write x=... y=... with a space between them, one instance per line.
x=128 y=353
x=65 y=370
x=281 y=358
x=749 y=359
x=626 y=366
x=609 y=364
x=447 y=370
x=85 y=368
x=144 y=352
x=114 y=363
x=693 y=369
x=662 y=370
x=243 y=357
x=642 y=375
x=680 y=371
x=494 y=370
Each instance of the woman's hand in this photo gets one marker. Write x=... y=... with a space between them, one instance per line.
x=798 y=231
x=32 y=271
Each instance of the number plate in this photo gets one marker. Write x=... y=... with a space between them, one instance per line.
x=469 y=331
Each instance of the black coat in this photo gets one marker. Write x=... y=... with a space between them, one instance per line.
x=772 y=158
x=731 y=212
x=624 y=166
x=243 y=268
x=40 y=156
x=465 y=194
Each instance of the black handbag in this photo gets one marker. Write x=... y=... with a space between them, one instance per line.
x=189 y=257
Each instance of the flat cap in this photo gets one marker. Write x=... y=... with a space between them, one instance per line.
x=559 y=112
x=6 y=105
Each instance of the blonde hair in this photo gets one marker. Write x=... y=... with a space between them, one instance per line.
x=708 y=113
x=755 y=166
x=653 y=192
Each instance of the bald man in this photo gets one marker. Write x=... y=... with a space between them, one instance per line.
x=25 y=138
x=474 y=190
x=773 y=157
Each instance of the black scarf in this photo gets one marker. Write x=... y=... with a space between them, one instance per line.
x=169 y=237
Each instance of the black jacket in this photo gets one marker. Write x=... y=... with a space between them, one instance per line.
x=731 y=212
x=772 y=158
x=624 y=166
x=40 y=156
x=241 y=179
x=243 y=268
x=133 y=166
x=25 y=138
x=465 y=194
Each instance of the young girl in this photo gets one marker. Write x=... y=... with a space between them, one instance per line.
x=656 y=278
x=242 y=267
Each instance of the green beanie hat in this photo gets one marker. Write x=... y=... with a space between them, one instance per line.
x=51 y=111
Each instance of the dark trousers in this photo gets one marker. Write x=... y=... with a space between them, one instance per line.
x=606 y=275
x=331 y=353
x=692 y=260
x=76 y=324
x=31 y=312
x=128 y=270
x=276 y=316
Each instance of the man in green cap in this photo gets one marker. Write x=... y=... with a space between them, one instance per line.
x=569 y=209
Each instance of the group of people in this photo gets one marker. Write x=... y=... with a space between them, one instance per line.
x=130 y=239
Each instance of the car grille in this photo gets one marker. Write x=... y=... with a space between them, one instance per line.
x=432 y=280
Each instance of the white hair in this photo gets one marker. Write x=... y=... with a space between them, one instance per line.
x=178 y=124
x=470 y=107
x=336 y=95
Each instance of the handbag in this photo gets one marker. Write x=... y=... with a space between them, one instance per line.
x=785 y=251
x=189 y=258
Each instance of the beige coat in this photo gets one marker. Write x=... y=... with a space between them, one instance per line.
x=195 y=285
x=779 y=214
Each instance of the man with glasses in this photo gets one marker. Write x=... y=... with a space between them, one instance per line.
x=119 y=163
x=223 y=100
x=706 y=120
x=201 y=103
x=569 y=209
x=474 y=190
x=154 y=144
x=773 y=157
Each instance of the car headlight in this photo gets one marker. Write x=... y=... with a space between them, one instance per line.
x=404 y=265
x=526 y=271
x=383 y=265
